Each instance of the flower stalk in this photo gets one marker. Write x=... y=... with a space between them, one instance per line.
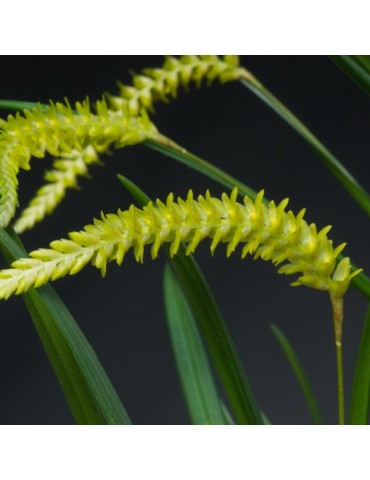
x=337 y=305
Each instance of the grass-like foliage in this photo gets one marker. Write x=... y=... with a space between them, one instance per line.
x=76 y=136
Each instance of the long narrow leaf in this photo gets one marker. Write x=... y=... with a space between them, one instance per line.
x=357 y=67
x=87 y=389
x=228 y=419
x=300 y=374
x=212 y=326
x=266 y=419
x=180 y=154
x=361 y=282
x=218 y=340
x=360 y=398
x=328 y=159
x=192 y=364
x=16 y=105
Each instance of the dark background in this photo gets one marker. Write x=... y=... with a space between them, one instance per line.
x=122 y=315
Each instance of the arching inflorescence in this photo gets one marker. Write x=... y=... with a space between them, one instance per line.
x=64 y=175
x=269 y=232
x=58 y=130
x=157 y=84
x=160 y=84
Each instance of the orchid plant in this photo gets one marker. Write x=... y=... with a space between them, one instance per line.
x=76 y=137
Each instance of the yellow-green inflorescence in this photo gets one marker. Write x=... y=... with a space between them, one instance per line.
x=267 y=231
x=157 y=84
x=160 y=84
x=58 y=130
x=64 y=175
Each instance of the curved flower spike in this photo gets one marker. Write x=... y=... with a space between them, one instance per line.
x=269 y=232
x=67 y=169
x=58 y=130
x=159 y=84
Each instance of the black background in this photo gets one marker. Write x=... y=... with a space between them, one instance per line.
x=122 y=315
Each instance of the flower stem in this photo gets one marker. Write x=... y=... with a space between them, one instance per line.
x=337 y=304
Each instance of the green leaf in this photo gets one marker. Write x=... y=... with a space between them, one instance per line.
x=228 y=419
x=328 y=159
x=212 y=326
x=266 y=419
x=86 y=387
x=17 y=105
x=300 y=374
x=361 y=281
x=217 y=338
x=357 y=67
x=360 y=398
x=175 y=151
x=192 y=364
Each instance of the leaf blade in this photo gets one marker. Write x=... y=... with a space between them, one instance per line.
x=218 y=340
x=299 y=373
x=17 y=105
x=192 y=364
x=177 y=152
x=338 y=170
x=360 y=396
x=357 y=67
x=86 y=387
x=212 y=326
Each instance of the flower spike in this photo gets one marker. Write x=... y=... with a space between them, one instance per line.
x=66 y=171
x=160 y=84
x=58 y=130
x=269 y=232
